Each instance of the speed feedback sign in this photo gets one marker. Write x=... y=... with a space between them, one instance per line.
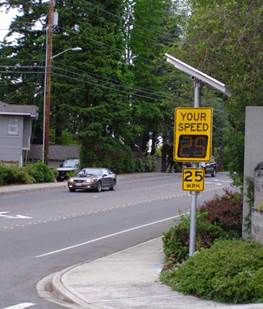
x=193 y=179
x=193 y=134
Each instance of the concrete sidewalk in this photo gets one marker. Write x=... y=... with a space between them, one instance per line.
x=127 y=279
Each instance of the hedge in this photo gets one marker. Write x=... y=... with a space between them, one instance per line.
x=33 y=173
x=231 y=271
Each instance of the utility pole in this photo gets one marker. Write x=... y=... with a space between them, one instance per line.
x=47 y=86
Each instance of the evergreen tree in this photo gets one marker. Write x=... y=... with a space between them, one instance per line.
x=225 y=41
x=155 y=28
x=113 y=95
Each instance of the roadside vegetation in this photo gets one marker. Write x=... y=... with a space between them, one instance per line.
x=224 y=268
x=230 y=271
x=39 y=172
x=31 y=173
x=117 y=95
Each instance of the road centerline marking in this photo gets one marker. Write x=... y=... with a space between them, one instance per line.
x=109 y=235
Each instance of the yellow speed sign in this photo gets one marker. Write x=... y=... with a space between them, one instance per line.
x=193 y=134
x=193 y=179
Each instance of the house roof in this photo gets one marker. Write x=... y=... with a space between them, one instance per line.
x=18 y=110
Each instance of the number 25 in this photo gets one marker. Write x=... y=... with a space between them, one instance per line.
x=198 y=176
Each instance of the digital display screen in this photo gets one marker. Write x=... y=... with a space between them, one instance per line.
x=192 y=146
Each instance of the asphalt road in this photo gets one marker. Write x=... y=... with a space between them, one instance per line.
x=45 y=231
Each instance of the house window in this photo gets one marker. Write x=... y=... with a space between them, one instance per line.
x=13 y=126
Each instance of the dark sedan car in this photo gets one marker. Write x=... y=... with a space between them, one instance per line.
x=210 y=167
x=67 y=167
x=93 y=179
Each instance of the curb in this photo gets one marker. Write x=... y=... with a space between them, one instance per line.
x=13 y=189
x=62 y=293
x=5 y=190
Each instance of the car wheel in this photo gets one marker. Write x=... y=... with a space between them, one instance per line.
x=214 y=173
x=99 y=187
x=71 y=190
x=113 y=185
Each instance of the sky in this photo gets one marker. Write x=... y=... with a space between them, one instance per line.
x=5 y=20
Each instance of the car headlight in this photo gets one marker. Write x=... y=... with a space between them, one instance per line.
x=88 y=180
x=71 y=180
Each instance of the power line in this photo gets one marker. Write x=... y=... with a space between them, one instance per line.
x=127 y=91
x=23 y=72
x=21 y=59
x=22 y=66
x=112 y=49
x=119 y=91
x=107 y=87
x=115 y=50
x=142 y=90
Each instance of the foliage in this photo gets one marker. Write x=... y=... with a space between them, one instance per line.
x=117 y=157
x=110 y=154
x=234 y=154
x=250 y=198
x=40 y=172
x=119 y=89
x=176 y=240
x=220 y=217
x=145 y=164
x=115 y=91
x=231 y=271
x=223 y=40
x=226 y=212
x=14 y=175
x=33 y=173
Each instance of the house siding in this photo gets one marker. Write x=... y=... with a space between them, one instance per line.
x=11 y=144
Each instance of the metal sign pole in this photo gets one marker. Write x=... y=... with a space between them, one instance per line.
x=197 y=101
x=199 y=79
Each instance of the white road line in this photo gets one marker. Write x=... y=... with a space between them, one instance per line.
x=20 y=306
x=4 y=214
x=110 y=235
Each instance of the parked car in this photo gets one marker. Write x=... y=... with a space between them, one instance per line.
x=91 y=178
x=69 y=166
x=210 y=167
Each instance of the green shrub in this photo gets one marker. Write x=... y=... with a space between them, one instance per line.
x=145 y=164
x=115 y=155
x=231 y=271
x=40 y=172
x=226 y=211
x=14 y=175
x=176 y=240
x=110 y=153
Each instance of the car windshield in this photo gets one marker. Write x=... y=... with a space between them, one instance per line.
x=90 y=172
x=70 y=163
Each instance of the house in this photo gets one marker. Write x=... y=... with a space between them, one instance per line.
x=56 y=153
x=15 y=131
